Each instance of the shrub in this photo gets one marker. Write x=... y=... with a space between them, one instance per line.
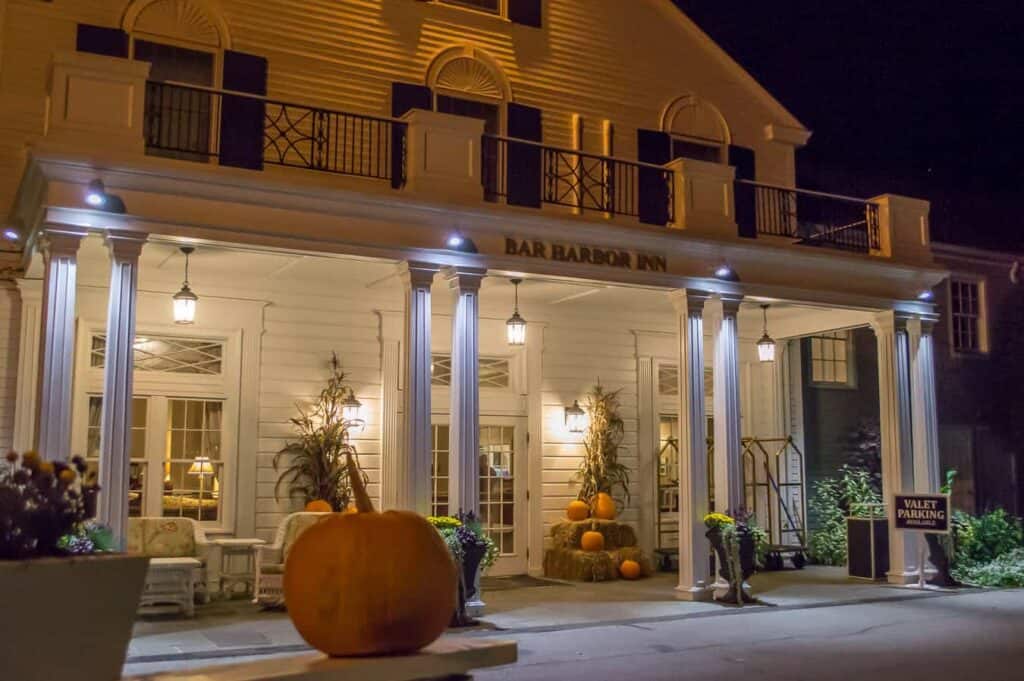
x=833 y=500
x=982 y=539
x=1005 y=571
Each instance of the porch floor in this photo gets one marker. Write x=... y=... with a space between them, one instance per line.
x=234 y=631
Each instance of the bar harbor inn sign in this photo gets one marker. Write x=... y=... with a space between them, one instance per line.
x=576 y=253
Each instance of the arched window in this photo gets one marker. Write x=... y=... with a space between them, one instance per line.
x=697 y=129
x=466 y=81
x=183 y=40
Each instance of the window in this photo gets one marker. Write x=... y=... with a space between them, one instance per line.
x=668 y=379
x=166 y=354
x=192 y=466
x=967 y=316
x=492 y=6
x=494 y=372
x=439 y=471
x=697 y=129
x=830 y=358
x=138 y=465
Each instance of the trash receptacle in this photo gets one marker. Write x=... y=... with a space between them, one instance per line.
x=867 y=543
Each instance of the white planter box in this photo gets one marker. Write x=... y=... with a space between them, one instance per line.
x=68 y=618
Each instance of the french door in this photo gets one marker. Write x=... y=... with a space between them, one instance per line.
x=503 y=473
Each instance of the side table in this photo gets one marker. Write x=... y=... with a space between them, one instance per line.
x=236 y=564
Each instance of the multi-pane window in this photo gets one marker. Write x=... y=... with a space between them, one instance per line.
x=193 y=467
x=138 y=465
x=439 y=471
x=830 y=358
x=668 y=379
x=493 y=372
x=492 y=6
x=966 y=316
x=166 y=354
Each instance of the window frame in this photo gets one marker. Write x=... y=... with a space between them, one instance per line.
x=851 y=367
x=981 y=318
x=501 y=12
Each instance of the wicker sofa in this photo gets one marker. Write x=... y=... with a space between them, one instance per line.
x=172 y=581
x=268 y=587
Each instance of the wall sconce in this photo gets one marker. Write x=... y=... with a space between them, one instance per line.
x=351 y=410
x=515 y=327
x=575 y=418
x=766 y=346
x=184 y=300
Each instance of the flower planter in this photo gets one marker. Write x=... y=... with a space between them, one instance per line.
x=68 y=618
x=469 y=584
x=747 y=564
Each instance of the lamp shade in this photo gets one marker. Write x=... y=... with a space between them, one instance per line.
x=575 y=418
x=201 y=465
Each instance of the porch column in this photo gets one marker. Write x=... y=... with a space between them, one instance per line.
x=412 y=470
x=694 y=556
x=927 y=469
x=464 y=432
x=896 y=429
x=116 y=420
x=729 y=497
x=60 y=251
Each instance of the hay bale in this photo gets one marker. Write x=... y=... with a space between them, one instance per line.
x=634 y=553
x=580 y=566
x=567 y=534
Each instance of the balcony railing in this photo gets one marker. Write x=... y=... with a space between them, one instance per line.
x=809 y=218
x=184 y=122
x=528 y=173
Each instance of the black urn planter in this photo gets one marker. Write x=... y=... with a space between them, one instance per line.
x=736 y=594
x=468 y=567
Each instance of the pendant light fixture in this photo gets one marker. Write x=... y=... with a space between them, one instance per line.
x=766 y=346
x=184 y=300
x=516 y=325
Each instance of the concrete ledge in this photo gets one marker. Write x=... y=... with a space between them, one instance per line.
x=446 y=657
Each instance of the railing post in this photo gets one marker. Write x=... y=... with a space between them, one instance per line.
x=444 y=155
x=903 y=228
x=704 y=199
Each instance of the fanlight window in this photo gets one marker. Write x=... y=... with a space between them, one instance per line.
x=698 y=130
x=494 y=372
x=492 y=6
x=167 y=354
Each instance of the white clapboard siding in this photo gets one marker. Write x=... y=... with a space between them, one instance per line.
x=9 y=333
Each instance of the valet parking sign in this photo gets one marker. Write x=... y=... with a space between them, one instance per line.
x=922 y=513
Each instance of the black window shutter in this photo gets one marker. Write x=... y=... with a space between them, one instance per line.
x=526 y=12
x=653 y=146
x=744 y=161
x=242 y=119
x=404 y=98
x=110 y=42
x=524 y=160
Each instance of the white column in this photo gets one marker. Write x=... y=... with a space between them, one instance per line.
x=25 y=409
x=729 y=497
x=647 y=441
x=897 y=450
x=413 y=465
x=464 y=431
x=116 y=420
x=694 y=565
x=60 y=250
x=927 y=469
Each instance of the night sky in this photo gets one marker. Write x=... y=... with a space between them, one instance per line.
x=916 y=97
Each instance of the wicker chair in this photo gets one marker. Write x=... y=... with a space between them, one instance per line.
x=183 y=564
x=268 y=589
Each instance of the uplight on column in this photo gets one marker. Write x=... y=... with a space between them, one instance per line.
x=184 y=300
x=516 y=325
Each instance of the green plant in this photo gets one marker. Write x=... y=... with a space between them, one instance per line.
x=316 y=460
x=460 y=532
x=1006 y=570
x=982 y=539
x=833 y=500
x=600 y=470
x=863 y=450
x=44 y=506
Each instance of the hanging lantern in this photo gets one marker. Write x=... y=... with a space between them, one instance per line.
x=516 y=325
x=184 y=300
x=575 y=418
x=766 y=346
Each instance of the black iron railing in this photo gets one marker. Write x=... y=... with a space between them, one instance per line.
x=585 y=182
x=810 y=218
x=197 y=123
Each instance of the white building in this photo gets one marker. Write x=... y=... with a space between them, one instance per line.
x=608 y=154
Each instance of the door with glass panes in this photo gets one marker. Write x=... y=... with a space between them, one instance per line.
x=503 y=478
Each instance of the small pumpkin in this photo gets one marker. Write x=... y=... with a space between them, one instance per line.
x=370 y=583
x=577 y=510
x=630 y=569
x=592 y=541
x=318 y=506
x=604 y=507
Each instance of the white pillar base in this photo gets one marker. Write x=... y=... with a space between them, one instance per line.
x=697 y=593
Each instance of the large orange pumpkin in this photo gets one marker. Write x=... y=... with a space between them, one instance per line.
x=604 y=507
x=630 y=569
x=577 y=510
x=318 y=506
x=370 y=583
x=592 y=541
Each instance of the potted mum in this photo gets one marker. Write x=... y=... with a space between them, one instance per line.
x=60 y=581
x=473 y=551
x=735 y=545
